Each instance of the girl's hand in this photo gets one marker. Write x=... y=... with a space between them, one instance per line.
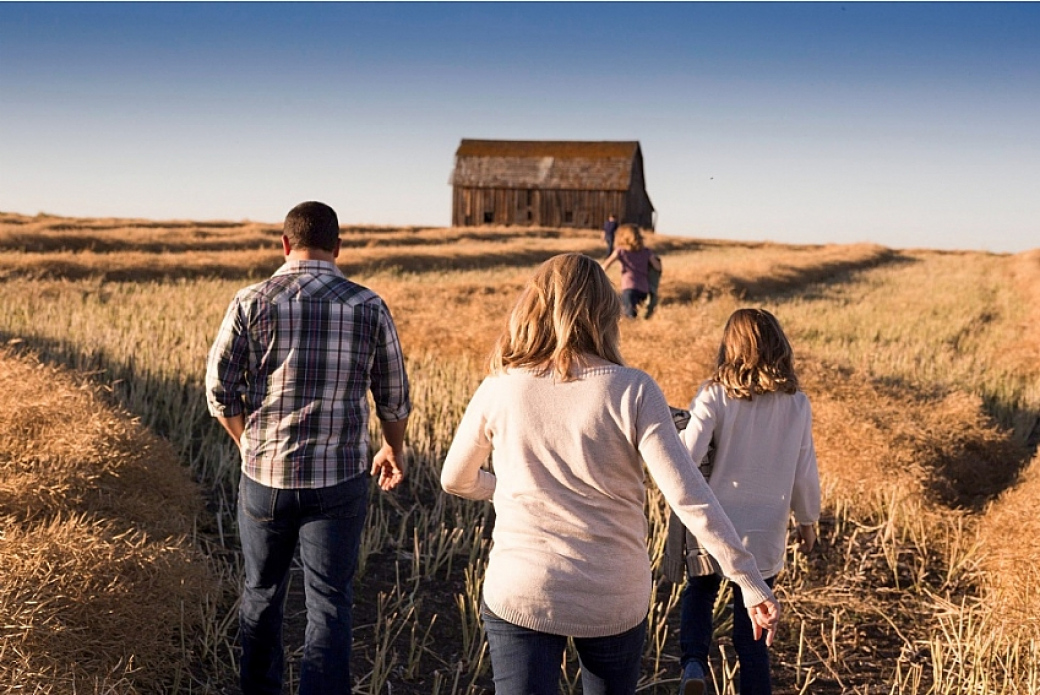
x=765 y=616
x=806 y=537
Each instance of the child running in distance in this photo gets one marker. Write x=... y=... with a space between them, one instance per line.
x=637 y=263
x=759 y=426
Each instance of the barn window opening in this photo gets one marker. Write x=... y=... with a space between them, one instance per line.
x=489 y=216
x=568 y=216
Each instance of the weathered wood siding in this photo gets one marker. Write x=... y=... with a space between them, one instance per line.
x=638 y=208
x=536 y=208
x=549 y=184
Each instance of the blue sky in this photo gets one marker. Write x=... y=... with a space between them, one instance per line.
x=909 y=125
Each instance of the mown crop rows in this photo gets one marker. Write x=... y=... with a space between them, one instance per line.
x=921 y=366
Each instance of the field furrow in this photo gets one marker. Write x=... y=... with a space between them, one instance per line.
x=922 y=368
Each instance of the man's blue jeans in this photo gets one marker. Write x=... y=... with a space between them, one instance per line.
x=327 y=523
x=695 y=632
x=527 y=662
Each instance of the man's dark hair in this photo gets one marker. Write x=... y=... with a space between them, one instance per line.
x=312 y=225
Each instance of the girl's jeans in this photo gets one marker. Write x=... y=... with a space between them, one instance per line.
x=527 y=662
x=327 y=523
x=695 y=631
x=630 y=299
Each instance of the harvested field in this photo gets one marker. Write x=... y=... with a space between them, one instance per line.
x=922 y=368
x=106 y=584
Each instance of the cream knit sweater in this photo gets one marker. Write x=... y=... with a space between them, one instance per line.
x=570 y=542
x=764 y=467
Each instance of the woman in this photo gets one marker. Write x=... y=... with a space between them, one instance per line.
x=569 y=428
x=637 y=262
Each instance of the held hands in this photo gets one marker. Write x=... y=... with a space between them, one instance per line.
x=765 y=617
x=388 y=465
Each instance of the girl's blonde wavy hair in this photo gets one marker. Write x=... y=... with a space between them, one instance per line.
x=567 y=310
x=629 y=238
x=755 y=356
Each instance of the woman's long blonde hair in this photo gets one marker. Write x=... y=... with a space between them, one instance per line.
x=629 y=238
x=567 y=310
x=755 y=356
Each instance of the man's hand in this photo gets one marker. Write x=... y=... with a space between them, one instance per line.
x=765 y=616
x=388 y=467
x=388 y=463
x=806 y=537
x=235 y=426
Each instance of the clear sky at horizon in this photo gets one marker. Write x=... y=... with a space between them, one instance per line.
x=903 y=124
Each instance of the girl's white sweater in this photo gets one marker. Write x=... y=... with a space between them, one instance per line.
x=764 y=466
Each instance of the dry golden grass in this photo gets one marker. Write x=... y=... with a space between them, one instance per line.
x=463 y=311
x=55 y=234
x=1022 y=354
x=103 y=589
x=1013 y=572
x=920 y=367
x=755 y=270
x=908 y=369
x=1011 y=527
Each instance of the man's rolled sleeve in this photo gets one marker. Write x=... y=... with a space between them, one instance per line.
x=390 y=389
x=225 y=366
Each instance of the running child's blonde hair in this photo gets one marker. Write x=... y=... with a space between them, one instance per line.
x=629 y=238
x=568 y=309
x=755 y=356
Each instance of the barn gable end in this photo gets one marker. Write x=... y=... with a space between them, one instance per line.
x=549 y=184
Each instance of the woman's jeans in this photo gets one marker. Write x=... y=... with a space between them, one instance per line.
x=327 y=523
x=527 y=662
x=630 y=299
x=695 y=631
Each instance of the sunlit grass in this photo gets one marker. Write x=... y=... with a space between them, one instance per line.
x=918 y=366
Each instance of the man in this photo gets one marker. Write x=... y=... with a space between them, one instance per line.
x=609 y=229
x=287 y=378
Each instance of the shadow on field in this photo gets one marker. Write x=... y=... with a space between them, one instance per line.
x=968 y=459
x=782 y=280
x=202 y=237
x=59 y=269
x=385 y=626
x=78 y=243
x=393 y=261
x=790 y=279
x=186 y=268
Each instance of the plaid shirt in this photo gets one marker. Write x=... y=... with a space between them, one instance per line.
x=296 y=355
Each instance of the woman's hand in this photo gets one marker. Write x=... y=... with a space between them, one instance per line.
x=806 y=537
x=765 y=617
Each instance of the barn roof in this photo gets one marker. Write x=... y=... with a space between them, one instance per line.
x=550 y=164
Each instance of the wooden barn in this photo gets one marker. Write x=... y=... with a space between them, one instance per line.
x=538 y=183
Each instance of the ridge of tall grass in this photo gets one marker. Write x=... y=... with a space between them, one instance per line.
x=1010 y=528
x=105 y=585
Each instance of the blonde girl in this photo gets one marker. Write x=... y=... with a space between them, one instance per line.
x=636 y=261
x=568 y=427
x=759 y=425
